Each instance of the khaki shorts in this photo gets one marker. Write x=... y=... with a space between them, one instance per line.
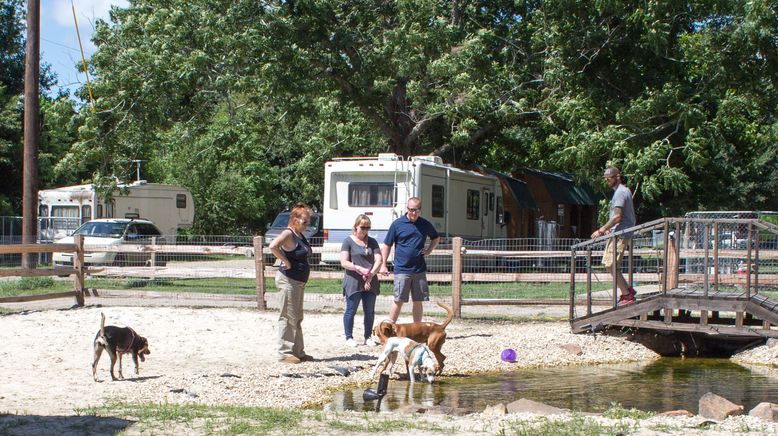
x=607 y=256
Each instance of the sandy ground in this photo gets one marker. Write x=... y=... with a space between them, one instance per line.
x=226 y=355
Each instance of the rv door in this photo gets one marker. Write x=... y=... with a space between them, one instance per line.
x=488 y=205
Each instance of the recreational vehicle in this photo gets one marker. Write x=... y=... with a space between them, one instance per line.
x=62 y=210
x=457 y=202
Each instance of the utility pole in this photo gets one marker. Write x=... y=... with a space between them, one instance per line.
x=31 y=131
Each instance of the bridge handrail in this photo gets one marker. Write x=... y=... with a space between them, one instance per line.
x=659 y=223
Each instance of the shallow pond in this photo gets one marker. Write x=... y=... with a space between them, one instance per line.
x=666 y=384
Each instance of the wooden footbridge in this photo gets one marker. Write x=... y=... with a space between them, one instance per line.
x=716 y=277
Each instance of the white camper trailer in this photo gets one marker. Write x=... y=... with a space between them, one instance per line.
x=63 y=210
x=457 y=202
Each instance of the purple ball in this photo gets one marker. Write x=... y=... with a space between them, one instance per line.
x=508 y=355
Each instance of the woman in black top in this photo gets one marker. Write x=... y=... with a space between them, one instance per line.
x=293 y=250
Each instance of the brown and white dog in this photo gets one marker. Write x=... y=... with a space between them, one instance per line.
x=415 y=355
x=430 y=333
x=117 y=341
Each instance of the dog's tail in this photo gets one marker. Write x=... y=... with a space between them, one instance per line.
x=100 y=336
x=450 y=314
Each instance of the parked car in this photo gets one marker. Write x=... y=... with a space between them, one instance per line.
x=314 y=233
x=107 y=232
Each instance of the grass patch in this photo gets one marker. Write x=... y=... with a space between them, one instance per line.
x=220 y=419
x=577 y=425
x=30 y=286
x=247 y=286
x=617 y=411
x=375 y=424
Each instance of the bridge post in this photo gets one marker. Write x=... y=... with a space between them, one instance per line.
x=589 y=281
x=715 y=257
x=705 y=263
x=749 y=267
x=665 y=258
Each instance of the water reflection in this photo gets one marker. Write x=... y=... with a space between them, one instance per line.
x=667 y=384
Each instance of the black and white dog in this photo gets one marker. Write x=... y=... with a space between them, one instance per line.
x=117 y=341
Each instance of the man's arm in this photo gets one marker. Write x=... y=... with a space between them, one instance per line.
x=613 y=221
x=433 y=244
x=385 y=248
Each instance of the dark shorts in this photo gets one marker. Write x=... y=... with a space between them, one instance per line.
x=413 y=285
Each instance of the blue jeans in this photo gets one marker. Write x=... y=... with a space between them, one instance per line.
x=352 y=304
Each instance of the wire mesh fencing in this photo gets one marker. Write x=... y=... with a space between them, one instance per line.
x=496 y=277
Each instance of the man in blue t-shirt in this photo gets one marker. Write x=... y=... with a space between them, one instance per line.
x=621 y=216
x=409 y=234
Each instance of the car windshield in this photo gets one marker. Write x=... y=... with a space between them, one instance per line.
x=103 y=230
x=282 y=220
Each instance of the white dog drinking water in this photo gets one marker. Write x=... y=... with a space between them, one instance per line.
x=415 y=355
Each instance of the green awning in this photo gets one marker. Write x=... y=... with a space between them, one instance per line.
x=563 y=189
x=518 y=188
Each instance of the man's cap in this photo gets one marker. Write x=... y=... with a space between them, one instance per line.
x=611 y=172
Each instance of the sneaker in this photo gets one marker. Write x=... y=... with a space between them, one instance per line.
x=290 y=359
x=306 y=358
x=630 y=295
x=351 y=342
x=370 y=342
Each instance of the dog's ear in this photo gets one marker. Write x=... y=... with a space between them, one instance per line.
x=388 y=329
x=384 y=330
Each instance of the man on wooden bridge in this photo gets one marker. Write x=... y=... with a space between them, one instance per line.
x=621 y=216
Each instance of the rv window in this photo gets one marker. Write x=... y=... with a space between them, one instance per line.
x=181 y=201
x=86 y=213
x=370 y=194
x=43 y=210
x=473 y=204
x=438 y=201
x=486 y=203
x=109 y=209
x=66 y=217
x=99 y=210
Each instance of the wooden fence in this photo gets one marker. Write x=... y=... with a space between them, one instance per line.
x=77 y=270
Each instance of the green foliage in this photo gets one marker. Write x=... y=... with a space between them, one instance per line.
x=226 y=96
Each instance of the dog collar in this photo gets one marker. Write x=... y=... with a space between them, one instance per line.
x=410 y=352
x=132 y=341
x=421 y=356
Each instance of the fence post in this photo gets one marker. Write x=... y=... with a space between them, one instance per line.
x=259 y=268
x=456 y=276
x=78 y=265
x=153 y=251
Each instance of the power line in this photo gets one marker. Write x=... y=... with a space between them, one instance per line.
x=61 y=45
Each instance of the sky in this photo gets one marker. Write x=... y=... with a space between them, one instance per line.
x=59 y=42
